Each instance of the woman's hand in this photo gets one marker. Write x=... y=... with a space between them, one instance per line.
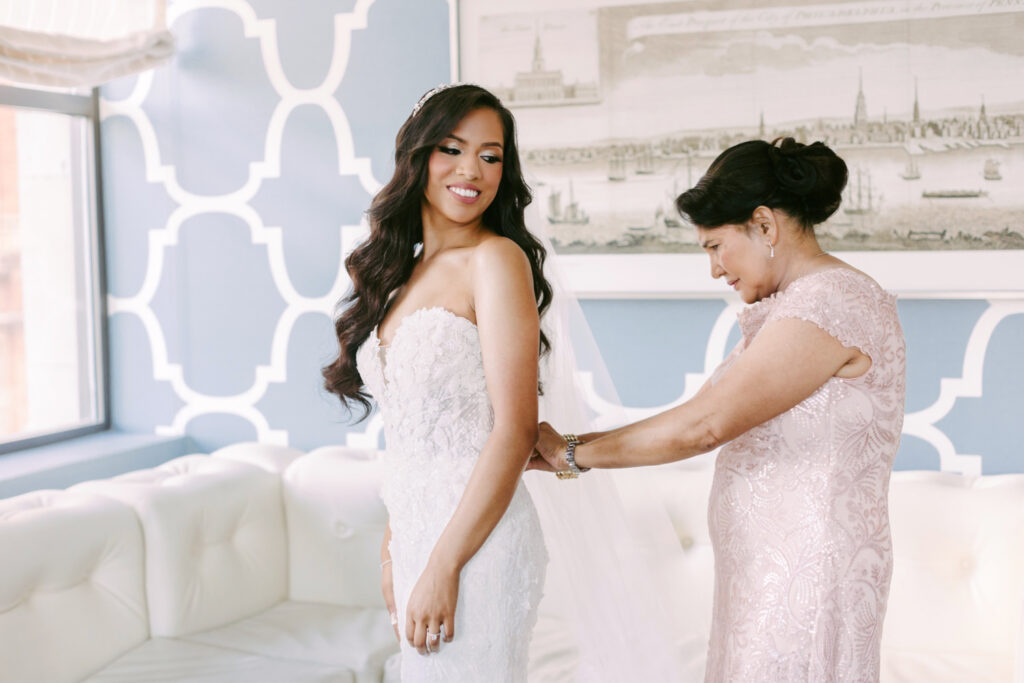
x=537 y=462
x=551 y=447
x=387 y=588
x=430 y=614
x=387 y=581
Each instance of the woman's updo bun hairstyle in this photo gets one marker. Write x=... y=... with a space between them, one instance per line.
x=805 y=181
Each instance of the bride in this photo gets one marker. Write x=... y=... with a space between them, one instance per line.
x=446 y=338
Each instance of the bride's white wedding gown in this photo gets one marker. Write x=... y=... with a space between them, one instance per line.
x=429 y=386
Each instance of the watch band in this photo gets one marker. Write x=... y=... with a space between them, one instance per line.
x=571 y=441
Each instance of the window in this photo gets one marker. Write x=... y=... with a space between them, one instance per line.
x=52 y=359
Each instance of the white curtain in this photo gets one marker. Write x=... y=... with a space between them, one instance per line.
x=80 y=43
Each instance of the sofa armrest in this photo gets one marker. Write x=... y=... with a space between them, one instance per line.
x=72 y=595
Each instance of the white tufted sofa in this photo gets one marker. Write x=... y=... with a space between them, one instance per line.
x=260 y=563
x=257 y=563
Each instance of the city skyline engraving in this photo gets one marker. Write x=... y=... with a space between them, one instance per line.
x=622 y=107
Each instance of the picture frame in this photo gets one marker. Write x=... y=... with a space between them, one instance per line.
x=597 y=87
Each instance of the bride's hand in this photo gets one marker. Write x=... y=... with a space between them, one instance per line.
x=551 y=447
x=431 y=608
x=387 y=588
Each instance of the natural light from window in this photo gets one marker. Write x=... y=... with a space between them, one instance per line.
x=49 y=378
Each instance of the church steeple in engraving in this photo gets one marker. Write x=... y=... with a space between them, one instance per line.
x=538 y=53
x=860 y=112
x=917 y=109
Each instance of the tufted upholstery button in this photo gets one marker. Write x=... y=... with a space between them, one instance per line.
x=686 y=542
x=342 y=530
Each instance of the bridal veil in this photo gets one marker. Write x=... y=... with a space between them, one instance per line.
x=615 y=559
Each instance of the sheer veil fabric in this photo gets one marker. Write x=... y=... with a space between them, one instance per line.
x=614 y=562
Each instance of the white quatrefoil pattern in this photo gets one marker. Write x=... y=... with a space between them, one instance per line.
x=235 y=180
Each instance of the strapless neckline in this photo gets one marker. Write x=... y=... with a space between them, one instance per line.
x=419 y=311
x=380 y=350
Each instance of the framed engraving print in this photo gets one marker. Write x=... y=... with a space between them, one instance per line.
x=623 y=105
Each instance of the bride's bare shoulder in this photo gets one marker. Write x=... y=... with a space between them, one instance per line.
x=495 y=251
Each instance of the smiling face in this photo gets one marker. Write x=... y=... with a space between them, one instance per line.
x=739 y=255
x=465 y=170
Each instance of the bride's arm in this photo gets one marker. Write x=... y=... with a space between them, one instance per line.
x=787 y=362
x=509 y=329
x=508 y=326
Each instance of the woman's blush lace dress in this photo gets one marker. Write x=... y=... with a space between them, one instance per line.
x=798 y=511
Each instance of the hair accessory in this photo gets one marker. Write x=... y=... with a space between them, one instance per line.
x=430 y=93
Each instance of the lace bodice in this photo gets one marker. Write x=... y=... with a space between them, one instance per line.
x=798 y=512
x=430 y=387
x=429 y=384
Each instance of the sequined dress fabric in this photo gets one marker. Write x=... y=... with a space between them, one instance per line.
x=429 y=386
x=798 y=512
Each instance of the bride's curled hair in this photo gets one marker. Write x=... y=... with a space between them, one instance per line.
x=384 y=262
x=805 y=181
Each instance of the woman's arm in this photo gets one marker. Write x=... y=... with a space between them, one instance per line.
x=786 y=362
x=509 y=330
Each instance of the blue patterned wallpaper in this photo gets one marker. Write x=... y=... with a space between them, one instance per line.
x=235 y=181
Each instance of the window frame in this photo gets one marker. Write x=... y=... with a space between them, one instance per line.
x=86 y=106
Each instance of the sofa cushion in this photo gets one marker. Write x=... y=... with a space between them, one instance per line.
x=903 y=666
x=169 y=660
x=336 y=522
x=958 y=575
x=71 y=585
x=355 y=638
x=215 y=540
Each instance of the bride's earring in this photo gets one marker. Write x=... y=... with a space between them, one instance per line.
x=771 y=250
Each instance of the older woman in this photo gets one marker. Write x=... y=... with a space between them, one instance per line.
x=808 y=409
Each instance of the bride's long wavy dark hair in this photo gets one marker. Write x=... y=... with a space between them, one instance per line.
x=385 y=261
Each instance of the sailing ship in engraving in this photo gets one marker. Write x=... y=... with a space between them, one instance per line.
x=953 y=194
x=860 y=200
x=991 y=171
x=911 y=172
x=645 y=162
x=616 y=167
x=669 y=215
x=926 y=235
x=572 y=214
x=665 y=217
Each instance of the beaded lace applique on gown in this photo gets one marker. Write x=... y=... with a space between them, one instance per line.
x=429 y=385
x=798 y=511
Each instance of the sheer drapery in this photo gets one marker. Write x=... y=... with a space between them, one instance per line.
x=80 y=43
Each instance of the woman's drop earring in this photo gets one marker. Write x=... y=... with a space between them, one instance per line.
x=771 y=250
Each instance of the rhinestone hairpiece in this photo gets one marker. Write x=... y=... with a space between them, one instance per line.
x=430 y=93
